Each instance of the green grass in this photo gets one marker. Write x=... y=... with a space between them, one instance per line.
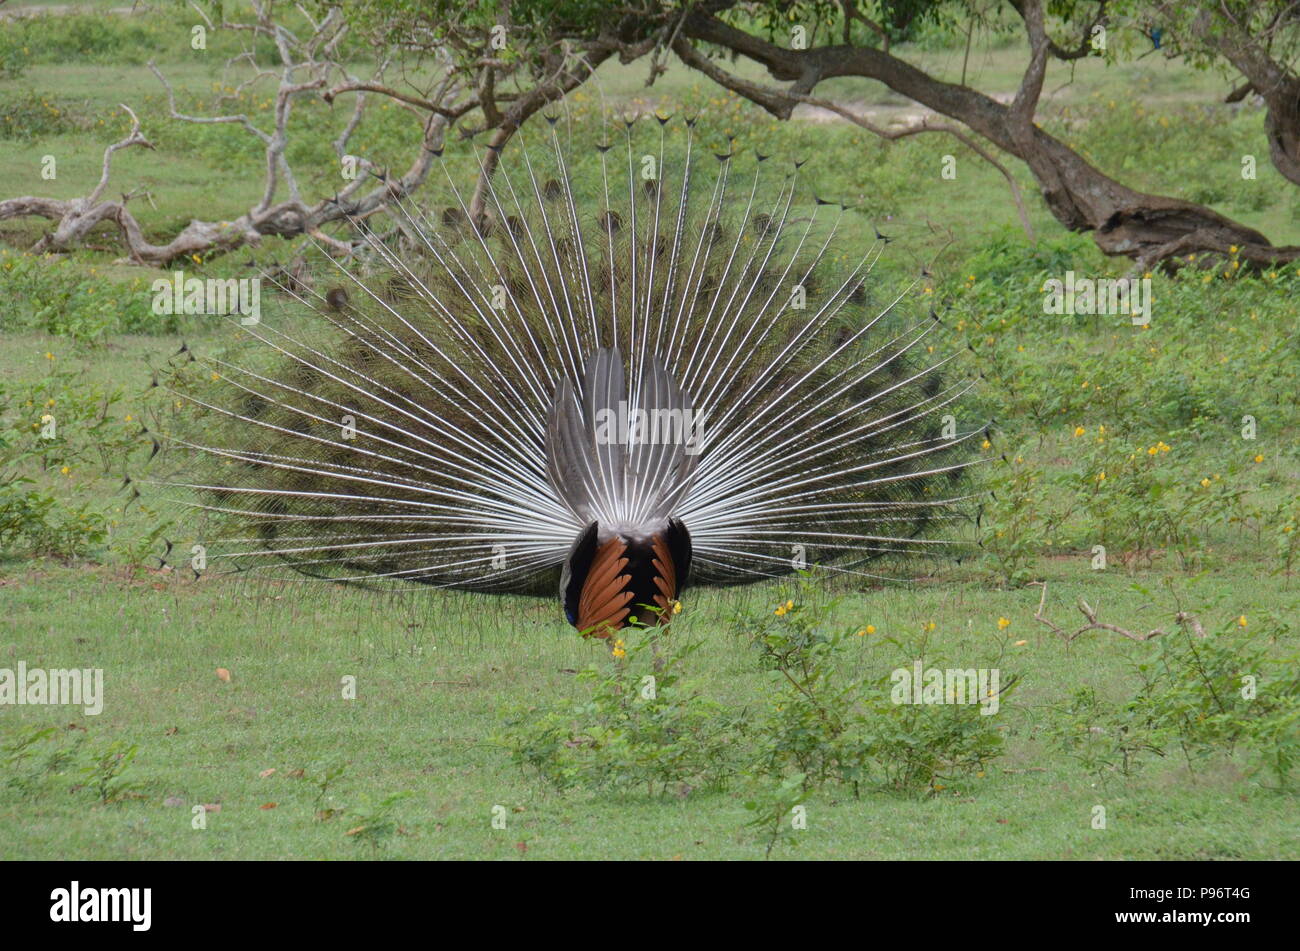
x=434 y=671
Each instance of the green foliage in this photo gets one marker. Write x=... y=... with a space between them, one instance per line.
x=812 y=728
x=1008 y=259
x=375 y=823
x=116 y=40
x=103 y=771
x=1285 y=521
x=60 y=297
x=1182 y=149
x=829 y=723
x=324 y=780
x=642 y=725
x=31 y=756
x=36 y=521
x=1155 y=442
x=1014 y=520
x=832 y=724
x=30 y=116
x=1201 y=694
x=901 y=20
x=772 y=807
x=37 y=757
x=54 y=432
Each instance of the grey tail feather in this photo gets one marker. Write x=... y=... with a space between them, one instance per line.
x=619 y=459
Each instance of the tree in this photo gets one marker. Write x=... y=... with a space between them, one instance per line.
x=1122 y=221
x=450 y=65
x=1256 y=38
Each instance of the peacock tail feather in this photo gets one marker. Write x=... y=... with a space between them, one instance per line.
x=680 y=348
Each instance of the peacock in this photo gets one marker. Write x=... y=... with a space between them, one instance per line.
x=627 y=367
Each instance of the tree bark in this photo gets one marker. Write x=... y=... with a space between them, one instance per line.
x=1276 y=84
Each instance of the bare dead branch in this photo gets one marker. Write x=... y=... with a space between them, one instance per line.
x=1183 y=619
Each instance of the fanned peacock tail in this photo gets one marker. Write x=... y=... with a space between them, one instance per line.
x=467 y=416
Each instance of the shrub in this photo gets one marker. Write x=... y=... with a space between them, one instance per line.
x=1199 y=694
x=641 y=725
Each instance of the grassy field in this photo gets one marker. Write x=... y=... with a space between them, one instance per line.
x=434 y=674
x=226 y=692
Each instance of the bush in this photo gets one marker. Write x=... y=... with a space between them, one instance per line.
x=643 y=725
x=1199 y=694
x=57 y=296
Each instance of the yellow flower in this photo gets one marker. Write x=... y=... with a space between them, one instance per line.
x=1259 y=458
x=677 y=607
x=1205 y=483
x=1003 y=624
x=65 y=470
x=871 y=629
x=985 y=444
x=789 y=605
x=1241 y=621
x=1101 y=476
x=1079 y=430
x=929 y=625
x=48 y=355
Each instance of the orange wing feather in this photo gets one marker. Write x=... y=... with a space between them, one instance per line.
x=602 y=606
x=665 y=577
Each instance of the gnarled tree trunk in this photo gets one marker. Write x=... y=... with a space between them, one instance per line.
x=1123 y=221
